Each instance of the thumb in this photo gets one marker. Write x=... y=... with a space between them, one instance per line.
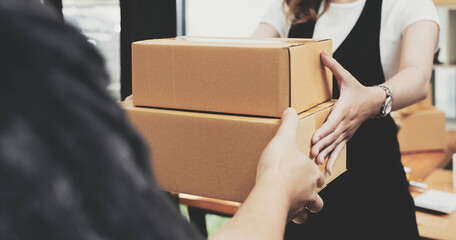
x=289 y=126
x=339 y=72
x=283 y=139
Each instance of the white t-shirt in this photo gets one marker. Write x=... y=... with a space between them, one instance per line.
x=337 y=22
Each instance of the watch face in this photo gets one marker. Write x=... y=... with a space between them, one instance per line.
x=388 y=106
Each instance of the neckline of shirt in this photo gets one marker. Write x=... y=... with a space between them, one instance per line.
x=345 y=5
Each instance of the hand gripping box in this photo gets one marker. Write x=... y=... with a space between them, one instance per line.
x=215 y=155
x=259 y=77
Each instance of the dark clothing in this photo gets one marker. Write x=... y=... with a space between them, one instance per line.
x=372 y=200
x=71 y=166
x=141 y=20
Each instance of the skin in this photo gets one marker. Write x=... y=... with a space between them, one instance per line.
x=358 y=103
x=285 y=187
x=286 y=179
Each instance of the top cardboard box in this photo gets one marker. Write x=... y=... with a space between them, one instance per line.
x=260 y=77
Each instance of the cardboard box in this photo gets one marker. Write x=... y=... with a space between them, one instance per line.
x=238 y=76
x=215 y=155
x=422 y=130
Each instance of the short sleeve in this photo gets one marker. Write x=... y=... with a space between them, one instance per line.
x=276 y=17
x=418 y=10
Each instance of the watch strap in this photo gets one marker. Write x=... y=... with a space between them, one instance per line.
x=389 y=95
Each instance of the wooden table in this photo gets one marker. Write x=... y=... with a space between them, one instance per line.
x=434 y=225
x=444 y=2
x=422 y=164
x=423 y=167
x=213 y=205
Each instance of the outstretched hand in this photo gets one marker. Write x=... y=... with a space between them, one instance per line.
x=282 y=163
x=356 y=104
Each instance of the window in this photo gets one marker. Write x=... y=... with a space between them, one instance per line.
x=224 y=18
x=99 y=21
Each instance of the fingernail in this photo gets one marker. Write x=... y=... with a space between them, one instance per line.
x=292 y=110
x=324 y=51
x=289 y=110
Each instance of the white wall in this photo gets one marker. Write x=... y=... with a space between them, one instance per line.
x=224 y=18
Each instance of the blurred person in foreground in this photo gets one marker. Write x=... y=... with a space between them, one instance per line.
x=72 y=167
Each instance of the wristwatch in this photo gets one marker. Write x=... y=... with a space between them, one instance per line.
x=388 y=104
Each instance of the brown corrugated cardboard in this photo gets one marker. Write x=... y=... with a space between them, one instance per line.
x=421 y=130
x=215 y=155
x=260 y=77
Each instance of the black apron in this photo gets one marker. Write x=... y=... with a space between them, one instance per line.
x=371 y=200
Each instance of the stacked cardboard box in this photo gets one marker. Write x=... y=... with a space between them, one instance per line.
x=421 y=127
x=209 y=106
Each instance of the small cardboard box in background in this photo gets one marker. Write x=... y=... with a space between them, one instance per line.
x=215 y=155
x=421 y=130
x=260 y=77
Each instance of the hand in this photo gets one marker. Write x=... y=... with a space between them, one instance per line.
x=129 y=98
x=356 y=104
x=282 y=165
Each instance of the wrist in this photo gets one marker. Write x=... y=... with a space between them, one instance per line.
x=275 y=186
x=377 y=99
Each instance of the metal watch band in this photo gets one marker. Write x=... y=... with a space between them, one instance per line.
x=388 y=99
x=387 y=90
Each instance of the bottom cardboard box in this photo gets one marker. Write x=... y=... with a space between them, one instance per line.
x=216 y=155
x=421 y=130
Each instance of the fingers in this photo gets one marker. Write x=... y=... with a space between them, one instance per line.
x=325 y=146
x=329 y=144
x=334 y=155
x=289 y=126
x=315 y=206
x=285 y=135
x=330 y=126
x=321 y=179
x=301 y=217
x=339 y=72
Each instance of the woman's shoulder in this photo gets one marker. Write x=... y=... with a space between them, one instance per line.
x=402 y=13
x=404 y=5
x=407 y=3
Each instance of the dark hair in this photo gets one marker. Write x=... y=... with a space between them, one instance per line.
x=71 y=167
x=300 y=11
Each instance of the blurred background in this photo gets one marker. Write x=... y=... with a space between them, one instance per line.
x=112 y=25
x=100 y=21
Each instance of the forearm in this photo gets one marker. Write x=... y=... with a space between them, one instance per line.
x=409 y=86
x=262 y=216
x=358 y=103
x=265 y=30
